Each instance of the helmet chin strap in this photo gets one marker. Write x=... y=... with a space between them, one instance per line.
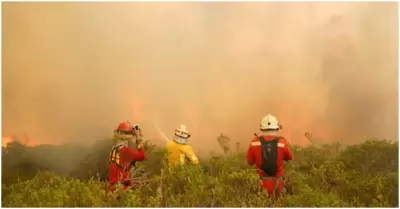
x=271 y=132
x=180 y=140
x=123 y=143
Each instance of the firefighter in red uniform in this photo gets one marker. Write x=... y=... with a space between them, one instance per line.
x=122 y=156
x=268 y=151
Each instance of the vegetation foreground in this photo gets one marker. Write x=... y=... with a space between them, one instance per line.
x=364 y=175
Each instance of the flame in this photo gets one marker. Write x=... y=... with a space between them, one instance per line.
x=27 y=141
x=5 y=140
x=137 y=109
x=295 y=124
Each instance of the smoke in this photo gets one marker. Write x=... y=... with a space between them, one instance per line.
x=73 y=71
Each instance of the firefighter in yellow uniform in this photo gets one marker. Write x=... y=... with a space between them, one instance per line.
x=179 y=152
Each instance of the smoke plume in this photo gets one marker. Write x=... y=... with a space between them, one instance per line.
x=73 y=71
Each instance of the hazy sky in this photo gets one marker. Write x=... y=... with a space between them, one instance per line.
x=73 y=71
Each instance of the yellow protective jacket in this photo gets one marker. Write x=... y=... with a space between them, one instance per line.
x=180 y=154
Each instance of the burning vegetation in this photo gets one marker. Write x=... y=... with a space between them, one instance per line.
x=328 y=71
x=27 y=141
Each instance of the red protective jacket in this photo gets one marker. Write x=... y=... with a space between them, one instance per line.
x=254 y=157
x=120 y=163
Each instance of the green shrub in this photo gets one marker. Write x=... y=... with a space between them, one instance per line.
x=364 y=175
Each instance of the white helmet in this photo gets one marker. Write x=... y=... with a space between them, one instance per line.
x=182 y=131
x=269 y=122
x=181 y=134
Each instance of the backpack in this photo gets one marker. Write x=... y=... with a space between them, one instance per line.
x=269 y=155
x=115 y=156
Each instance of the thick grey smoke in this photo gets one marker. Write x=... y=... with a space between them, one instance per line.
x=73 y=71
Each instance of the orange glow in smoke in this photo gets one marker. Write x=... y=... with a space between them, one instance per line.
x=295 y=124
x=137 y=109
x=27 y=141
x=5 y=141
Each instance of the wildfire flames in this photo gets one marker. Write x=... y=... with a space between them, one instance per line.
x=137 y=107
x=5 y=141
x=295 y=125
x=23 y=140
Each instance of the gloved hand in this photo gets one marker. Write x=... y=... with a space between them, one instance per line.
x=137 y=132
x=138 y=136
x=139 y=144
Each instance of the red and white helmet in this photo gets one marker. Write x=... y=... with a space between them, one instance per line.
x=182 y=132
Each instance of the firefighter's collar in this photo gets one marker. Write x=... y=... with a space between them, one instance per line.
x=122 y=143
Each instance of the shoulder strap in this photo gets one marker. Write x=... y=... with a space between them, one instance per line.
x=263 y=141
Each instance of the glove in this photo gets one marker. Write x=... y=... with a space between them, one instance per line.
x=137 y=132
x=139 y=144
x=136 y=127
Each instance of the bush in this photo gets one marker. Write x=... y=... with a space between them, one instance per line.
x=364 y=175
